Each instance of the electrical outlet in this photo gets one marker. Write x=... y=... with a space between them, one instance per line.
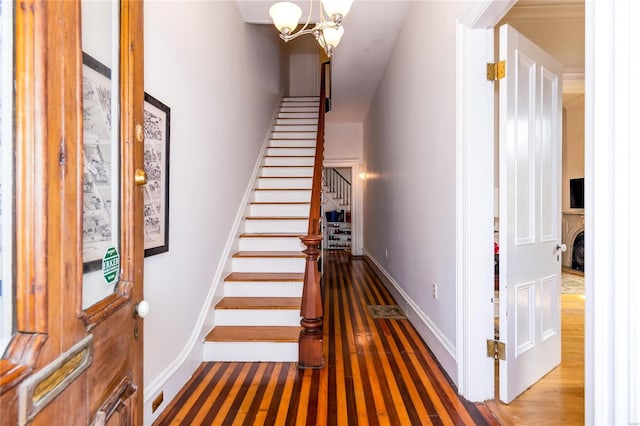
x=156 y=402
x=435 y=290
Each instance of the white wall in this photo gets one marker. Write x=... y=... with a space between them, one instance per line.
x=410 y=160
x=342 y=141
x=221 y=78
x=304 y=66
x=573 y=145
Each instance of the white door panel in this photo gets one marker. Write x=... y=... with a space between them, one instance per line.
x=530 y=162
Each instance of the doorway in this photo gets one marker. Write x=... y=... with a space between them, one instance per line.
x=337 y=201
x=608 y=315
x=475 y=184
x=350 y=227
x=562 y=35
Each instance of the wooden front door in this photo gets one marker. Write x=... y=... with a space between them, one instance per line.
x=75 y=357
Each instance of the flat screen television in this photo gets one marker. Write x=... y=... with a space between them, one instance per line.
x=576 y=193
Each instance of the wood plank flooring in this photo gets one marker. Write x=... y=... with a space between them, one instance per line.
x=558 y=398
x=378 y=372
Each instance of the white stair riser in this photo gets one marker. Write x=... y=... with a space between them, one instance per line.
x=331 y=201
x=296 y=143
x=293 y=135
x=279 y=210
x=297 y=121
x=301 y=98
x=284 y=183
x=262 y=317
x=256 y=264
x=267 y=226
x=294 y=195
x=293 y=144
x=271 y=244
x=274 y=289
x=287 y=171
x=250 y=352
x=314 y=104
x=310 y=114
x=295 y=128
x=289 y=161
x=298 y=109
x=291 y=151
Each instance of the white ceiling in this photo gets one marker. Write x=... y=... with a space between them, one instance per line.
x=370 y=31
x=372 y=26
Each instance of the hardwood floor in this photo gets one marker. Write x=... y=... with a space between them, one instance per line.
x=557 y=399
x=378 y=372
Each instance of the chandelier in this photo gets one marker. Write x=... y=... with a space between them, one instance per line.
x=328 y=31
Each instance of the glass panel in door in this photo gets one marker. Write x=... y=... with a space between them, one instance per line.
x=101 y=149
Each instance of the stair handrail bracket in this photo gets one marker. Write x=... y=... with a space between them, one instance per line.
x=311 y=347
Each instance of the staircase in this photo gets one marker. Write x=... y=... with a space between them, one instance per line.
x=336 y=190
x=259 y=317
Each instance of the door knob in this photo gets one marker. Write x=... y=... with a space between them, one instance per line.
x=141 y=310
x=561 y=247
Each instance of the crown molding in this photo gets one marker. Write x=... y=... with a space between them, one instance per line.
x=547 y=11
x=573 y=80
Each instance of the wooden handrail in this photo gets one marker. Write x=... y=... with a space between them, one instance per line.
x=311 y=352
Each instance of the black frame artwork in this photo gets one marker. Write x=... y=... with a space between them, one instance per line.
x=157 y=126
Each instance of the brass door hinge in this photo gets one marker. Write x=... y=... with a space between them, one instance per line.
x=496 y=350
x=496 y=71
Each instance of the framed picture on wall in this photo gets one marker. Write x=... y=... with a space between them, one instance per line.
x=157 y=120
x=99 y=213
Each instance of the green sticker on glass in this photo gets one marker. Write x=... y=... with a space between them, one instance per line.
x=110 y=265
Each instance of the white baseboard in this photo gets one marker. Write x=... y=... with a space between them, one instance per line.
x=171 y=384
x=176 y=374
x=442 y=348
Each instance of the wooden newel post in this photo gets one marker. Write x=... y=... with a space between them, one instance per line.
x=310 y=349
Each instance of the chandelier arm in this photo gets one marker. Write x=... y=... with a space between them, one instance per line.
x=306 y=24
x=318 y=27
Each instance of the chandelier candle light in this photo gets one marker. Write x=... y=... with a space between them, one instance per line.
x=328 y=31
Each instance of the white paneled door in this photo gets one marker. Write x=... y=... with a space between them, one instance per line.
x=530 y=203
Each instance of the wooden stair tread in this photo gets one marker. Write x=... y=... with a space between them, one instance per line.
x=271 y=235
x=277 y=218
x=279 y=254
x=265 y=277
x=260 y=303
x=232 y=333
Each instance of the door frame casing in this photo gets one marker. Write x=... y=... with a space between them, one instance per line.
x=356 y=200
x=612 y=208
x=474 y=197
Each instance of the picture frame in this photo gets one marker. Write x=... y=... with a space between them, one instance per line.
x=157 y=131
x=99 y=186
